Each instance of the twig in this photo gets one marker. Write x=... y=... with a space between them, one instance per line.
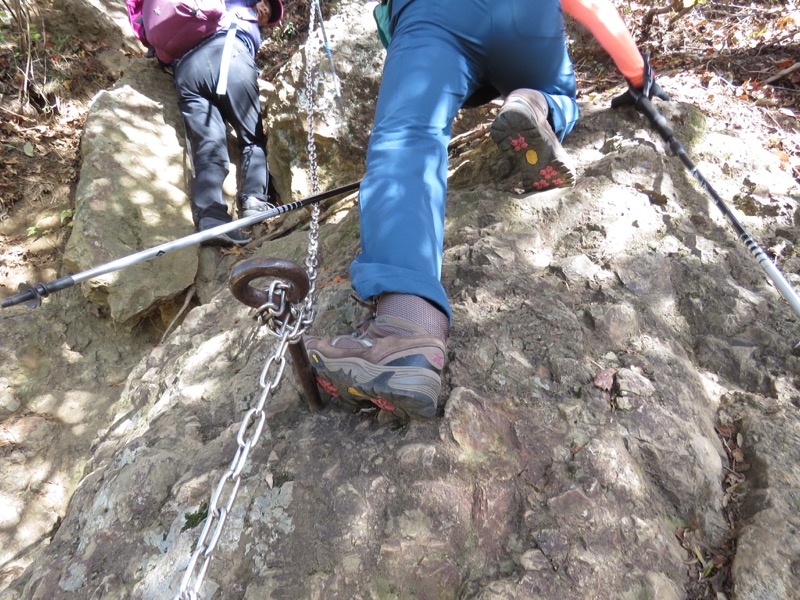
x=685 y=10
x=18 y=116
x=285 y=227
x=273 y=70
x=776 y=43
x=653 y=12
x=748 y=7
x=189 y=297
x=647 y=21
x=783 y=73
x=470 y=135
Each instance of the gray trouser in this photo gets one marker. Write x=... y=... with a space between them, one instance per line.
x=206 y=114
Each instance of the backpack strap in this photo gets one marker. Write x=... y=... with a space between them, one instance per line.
x=225 y=61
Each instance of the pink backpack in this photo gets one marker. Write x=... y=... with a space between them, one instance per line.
x=173 y=27
x=135 y=17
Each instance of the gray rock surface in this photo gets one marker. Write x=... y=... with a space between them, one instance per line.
x=344 y=101
x=131 y=195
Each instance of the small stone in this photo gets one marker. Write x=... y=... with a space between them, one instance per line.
x=8 y=402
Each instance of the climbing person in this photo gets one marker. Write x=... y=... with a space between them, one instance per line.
x=442 y=55
x=211 y=52
x=206 y=115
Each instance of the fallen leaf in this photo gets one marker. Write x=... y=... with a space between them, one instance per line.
x=726 y=430
x=782 y=157
x=605 y=379
x=575 y=448
x=28 y=149
x=735 y=478
x=337 y=279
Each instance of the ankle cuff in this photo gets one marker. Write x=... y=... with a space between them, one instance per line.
x=417 y=310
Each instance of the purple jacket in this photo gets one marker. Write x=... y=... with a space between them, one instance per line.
x=247 y=18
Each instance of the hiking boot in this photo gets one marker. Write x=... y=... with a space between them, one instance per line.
x=231 y=238
x=395 y=364
x=253 y=205
x=521 y=131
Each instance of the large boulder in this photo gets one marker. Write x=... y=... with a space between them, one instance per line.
x=343 y=104
x=131 y=195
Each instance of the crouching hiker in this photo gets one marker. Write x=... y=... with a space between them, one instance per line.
x=442 y=55
x=212 y=54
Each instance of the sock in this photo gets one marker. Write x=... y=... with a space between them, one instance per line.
x=417 y=310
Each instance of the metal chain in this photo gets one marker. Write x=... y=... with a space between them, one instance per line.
x=313 y=233
x=288 y=330
x=289 y=327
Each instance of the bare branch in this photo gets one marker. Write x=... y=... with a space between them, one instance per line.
x=783 y=73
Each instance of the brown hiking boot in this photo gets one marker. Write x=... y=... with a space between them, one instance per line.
x=521 y=131
x=394 y=364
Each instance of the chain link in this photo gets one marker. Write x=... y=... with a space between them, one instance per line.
x=313 y=232
x=250 y=430
x=288 y=326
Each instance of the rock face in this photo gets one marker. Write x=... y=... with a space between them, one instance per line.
x=132 y=186
x=620 y=404
x=345 y=89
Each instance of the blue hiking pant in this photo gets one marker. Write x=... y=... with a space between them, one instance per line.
x=441 y=52
x=205 y=115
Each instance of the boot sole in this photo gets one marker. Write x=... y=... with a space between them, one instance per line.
x=405 y=391
x=542 y=161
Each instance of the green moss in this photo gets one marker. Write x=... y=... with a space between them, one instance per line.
x=195 y=518
x=690 y=127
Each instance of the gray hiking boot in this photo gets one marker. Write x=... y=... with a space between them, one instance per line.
x=231 y=238
x=253 y=205
x=395 y=364
x=522 y=132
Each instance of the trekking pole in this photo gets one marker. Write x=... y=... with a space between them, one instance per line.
x=32 y=295
x=661 y=125
x=330 y=58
